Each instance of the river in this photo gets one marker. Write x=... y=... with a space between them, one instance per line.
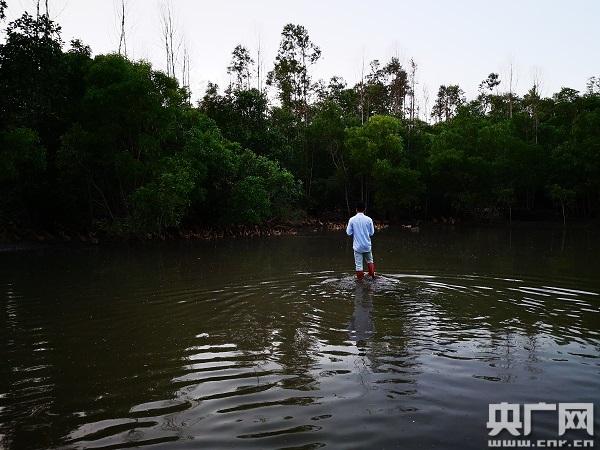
x=270 y=343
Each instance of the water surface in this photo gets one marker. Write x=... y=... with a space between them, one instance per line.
x=270 y=343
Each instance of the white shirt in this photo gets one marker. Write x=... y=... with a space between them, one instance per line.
x=361 y=228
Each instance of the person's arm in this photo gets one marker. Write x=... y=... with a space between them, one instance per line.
x=372 y=230
x=349 y=230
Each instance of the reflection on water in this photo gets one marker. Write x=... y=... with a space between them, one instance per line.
x=361 y=325
x=272 y=344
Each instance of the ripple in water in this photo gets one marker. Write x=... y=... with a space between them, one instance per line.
x=306 y=361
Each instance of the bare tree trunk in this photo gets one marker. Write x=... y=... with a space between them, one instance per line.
x=588 y=199
x=413 y=72
x=338 y=161
x=104 y=201
x=536 y=102
x=346 y=194
x=362 y=92
x=510 y=91
x=258 y=67
x=169 y=36
x=362 y=188
x=122 y=40
x=312 y=165
x=185 y=72
x=426 y=103
x=90 y=203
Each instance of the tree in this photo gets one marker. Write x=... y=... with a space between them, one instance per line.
x=111 y=143
x=398 y=87
x=326 y=134
x=396 y=187
x=126 y=122
x=122 y=36
x=164 y=201
x=169 y=34
x=532 y=101
x=376 y=91
x=449 y=99
x=31 y=73
x=412 y=92
x=291 y=72
x=486 y=90
x=240 y=68
x=378 y=139
x=490 y=83
x=510 y=90
x=292 y=78
x=593 y=86
x=22 y=166
x=35 y=95
x=563 y=197
x=506 y=199
x=185 y=71
x=242 y=115
x=262 y=191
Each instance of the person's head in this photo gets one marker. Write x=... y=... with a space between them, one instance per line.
x=360 y=207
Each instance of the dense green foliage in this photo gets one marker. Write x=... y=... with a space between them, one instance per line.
x=88 y=142
x=107 y=142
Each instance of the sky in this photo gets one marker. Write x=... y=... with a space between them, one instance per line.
x=452 y=42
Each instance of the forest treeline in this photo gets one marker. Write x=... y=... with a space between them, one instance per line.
x=109 y=143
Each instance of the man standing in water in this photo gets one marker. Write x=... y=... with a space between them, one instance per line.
x=361 y=228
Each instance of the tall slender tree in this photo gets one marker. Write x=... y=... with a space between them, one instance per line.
x=240 y=68
x=412 y=83
x=169 y=34
x=291 y=73
x=510 y=89
x=186 y=70
x=532 y=100
x=398 y=87
x=122 y=37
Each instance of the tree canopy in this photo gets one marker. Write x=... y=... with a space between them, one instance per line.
x=107 y=142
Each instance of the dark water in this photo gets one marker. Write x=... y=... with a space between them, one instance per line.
x=271 y=344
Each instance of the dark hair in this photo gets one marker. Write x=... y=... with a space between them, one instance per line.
x=360 y=206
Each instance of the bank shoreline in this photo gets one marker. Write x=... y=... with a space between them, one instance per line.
x=15 y=238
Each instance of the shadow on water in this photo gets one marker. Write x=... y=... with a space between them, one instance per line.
x=269 y=344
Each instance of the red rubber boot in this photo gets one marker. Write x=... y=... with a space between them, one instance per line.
x=359 y=275
x=371 y=267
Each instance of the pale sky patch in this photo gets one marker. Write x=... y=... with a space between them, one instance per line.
x=453 y=42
